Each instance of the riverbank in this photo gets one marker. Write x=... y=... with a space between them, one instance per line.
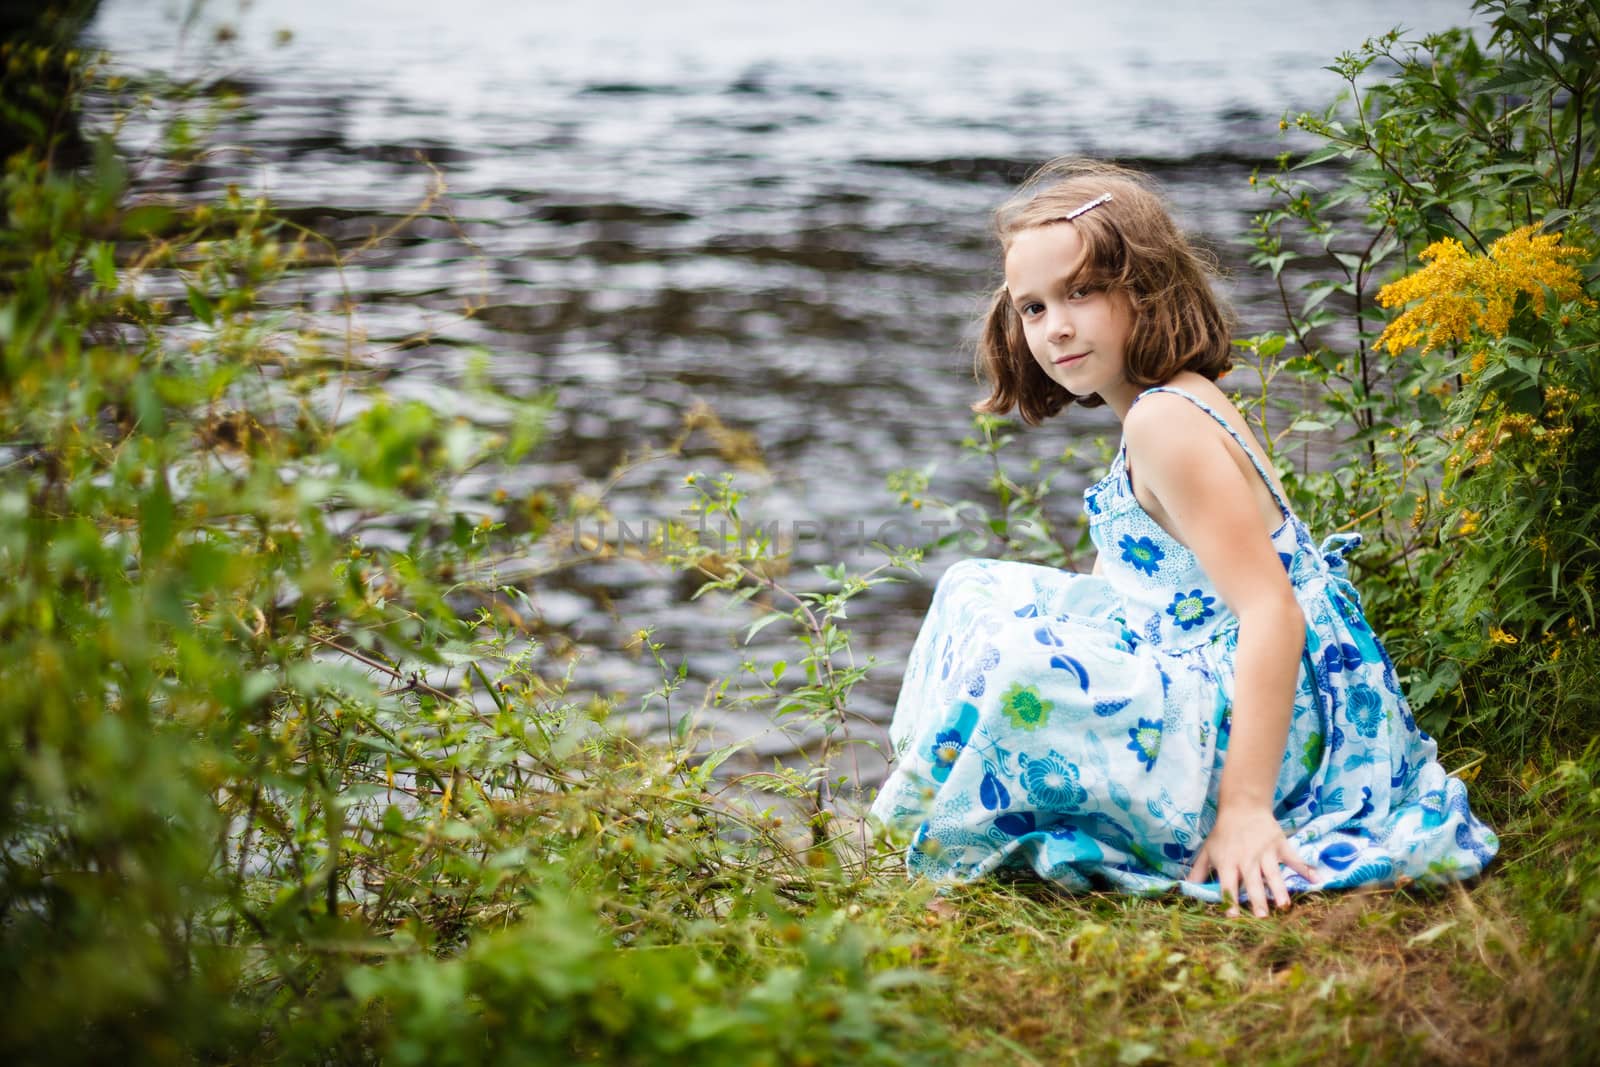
x=298 y=765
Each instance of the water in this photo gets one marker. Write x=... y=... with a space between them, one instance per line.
x=778 y=210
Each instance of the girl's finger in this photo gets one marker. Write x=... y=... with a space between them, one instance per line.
x=1280 y=891
x=1291 y=859
x=1202 y=861
x=1229 y=878
x=1257 y=891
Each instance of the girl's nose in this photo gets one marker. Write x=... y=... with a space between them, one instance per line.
x=1061 y=328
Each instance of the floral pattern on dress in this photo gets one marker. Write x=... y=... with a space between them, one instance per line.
x=1364 y=709
x=1026 y=709
x=1146 y=741
x=1037 y=703
x=1141 y=553
x=1052 y=783
x=946 y=747
x=1191 y=609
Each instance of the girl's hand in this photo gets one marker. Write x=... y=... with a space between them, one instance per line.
x=1247 y=848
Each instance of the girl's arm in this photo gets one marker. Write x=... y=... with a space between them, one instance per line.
x=1182 y=459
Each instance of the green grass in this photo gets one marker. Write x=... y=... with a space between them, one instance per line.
x=1503 y=970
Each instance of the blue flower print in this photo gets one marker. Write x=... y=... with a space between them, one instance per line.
x=1374 y=872
x=975 y=681
x=1398 y=779
x=1142 y=553
x=1367 y=806
x=1146 y=741
x=946 y=747
x=993 y=793
x=1191 y=609
x=1341 y=657
x=1389 y=681
x=1074 y=666
x=948 y=743
x=1107 y=708
x=1052 y=783
x=1017 y=823
x=1339 y=855
x=1351 y=610
x=1365 y=709
x=1482 y=851
x=1433 y=805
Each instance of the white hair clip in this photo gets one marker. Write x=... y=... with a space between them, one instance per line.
x=1103 y=198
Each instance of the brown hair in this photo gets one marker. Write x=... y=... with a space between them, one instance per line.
x=1131 y=248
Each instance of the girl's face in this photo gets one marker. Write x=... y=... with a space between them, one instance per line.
x=1076 y=334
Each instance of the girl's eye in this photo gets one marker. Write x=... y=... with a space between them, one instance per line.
x=1033 y=307
x=1080 y=293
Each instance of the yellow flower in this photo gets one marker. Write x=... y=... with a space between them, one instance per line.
x=1456 y=291
x=1500 y=637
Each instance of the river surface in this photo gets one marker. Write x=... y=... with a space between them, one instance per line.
x=780 y=211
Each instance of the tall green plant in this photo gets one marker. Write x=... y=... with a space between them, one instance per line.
x=266 y=784
x=1442 y=138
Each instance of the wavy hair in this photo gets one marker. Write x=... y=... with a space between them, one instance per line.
x=1131 y=248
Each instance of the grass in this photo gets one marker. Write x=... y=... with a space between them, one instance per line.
x=1503 y=970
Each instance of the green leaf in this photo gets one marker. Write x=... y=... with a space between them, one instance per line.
x=103 y=261
x=146 y=220
x=200 y=304
x=762 y=623
x=148 y=407
x=708 y=766
x=155 y=519
x=1309 y=424
x=1321 y=155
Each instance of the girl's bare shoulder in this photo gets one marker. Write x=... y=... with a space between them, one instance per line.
x=1163 y=422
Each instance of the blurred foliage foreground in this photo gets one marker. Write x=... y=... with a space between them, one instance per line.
x=269 y=793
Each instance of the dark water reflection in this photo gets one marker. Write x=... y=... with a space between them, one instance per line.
x=778 y=211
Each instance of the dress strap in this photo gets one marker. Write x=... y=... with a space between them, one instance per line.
x=1272 y=487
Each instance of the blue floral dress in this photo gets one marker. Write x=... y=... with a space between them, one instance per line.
x=1079 y=724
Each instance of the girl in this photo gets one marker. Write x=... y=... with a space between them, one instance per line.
x=1209 y=708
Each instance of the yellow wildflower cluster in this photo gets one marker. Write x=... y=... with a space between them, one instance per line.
x=1482 y=440
x=1557 y=399
x=1457 y=291
x=1513 y=425
x=1479 y=446
x=1553 y=442
x=1555 y=639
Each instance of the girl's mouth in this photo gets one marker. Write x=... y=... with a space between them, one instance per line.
x=1062 y=361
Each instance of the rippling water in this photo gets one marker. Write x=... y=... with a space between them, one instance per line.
x=780 y=210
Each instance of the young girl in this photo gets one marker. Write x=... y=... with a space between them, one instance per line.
x=1209 y=708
